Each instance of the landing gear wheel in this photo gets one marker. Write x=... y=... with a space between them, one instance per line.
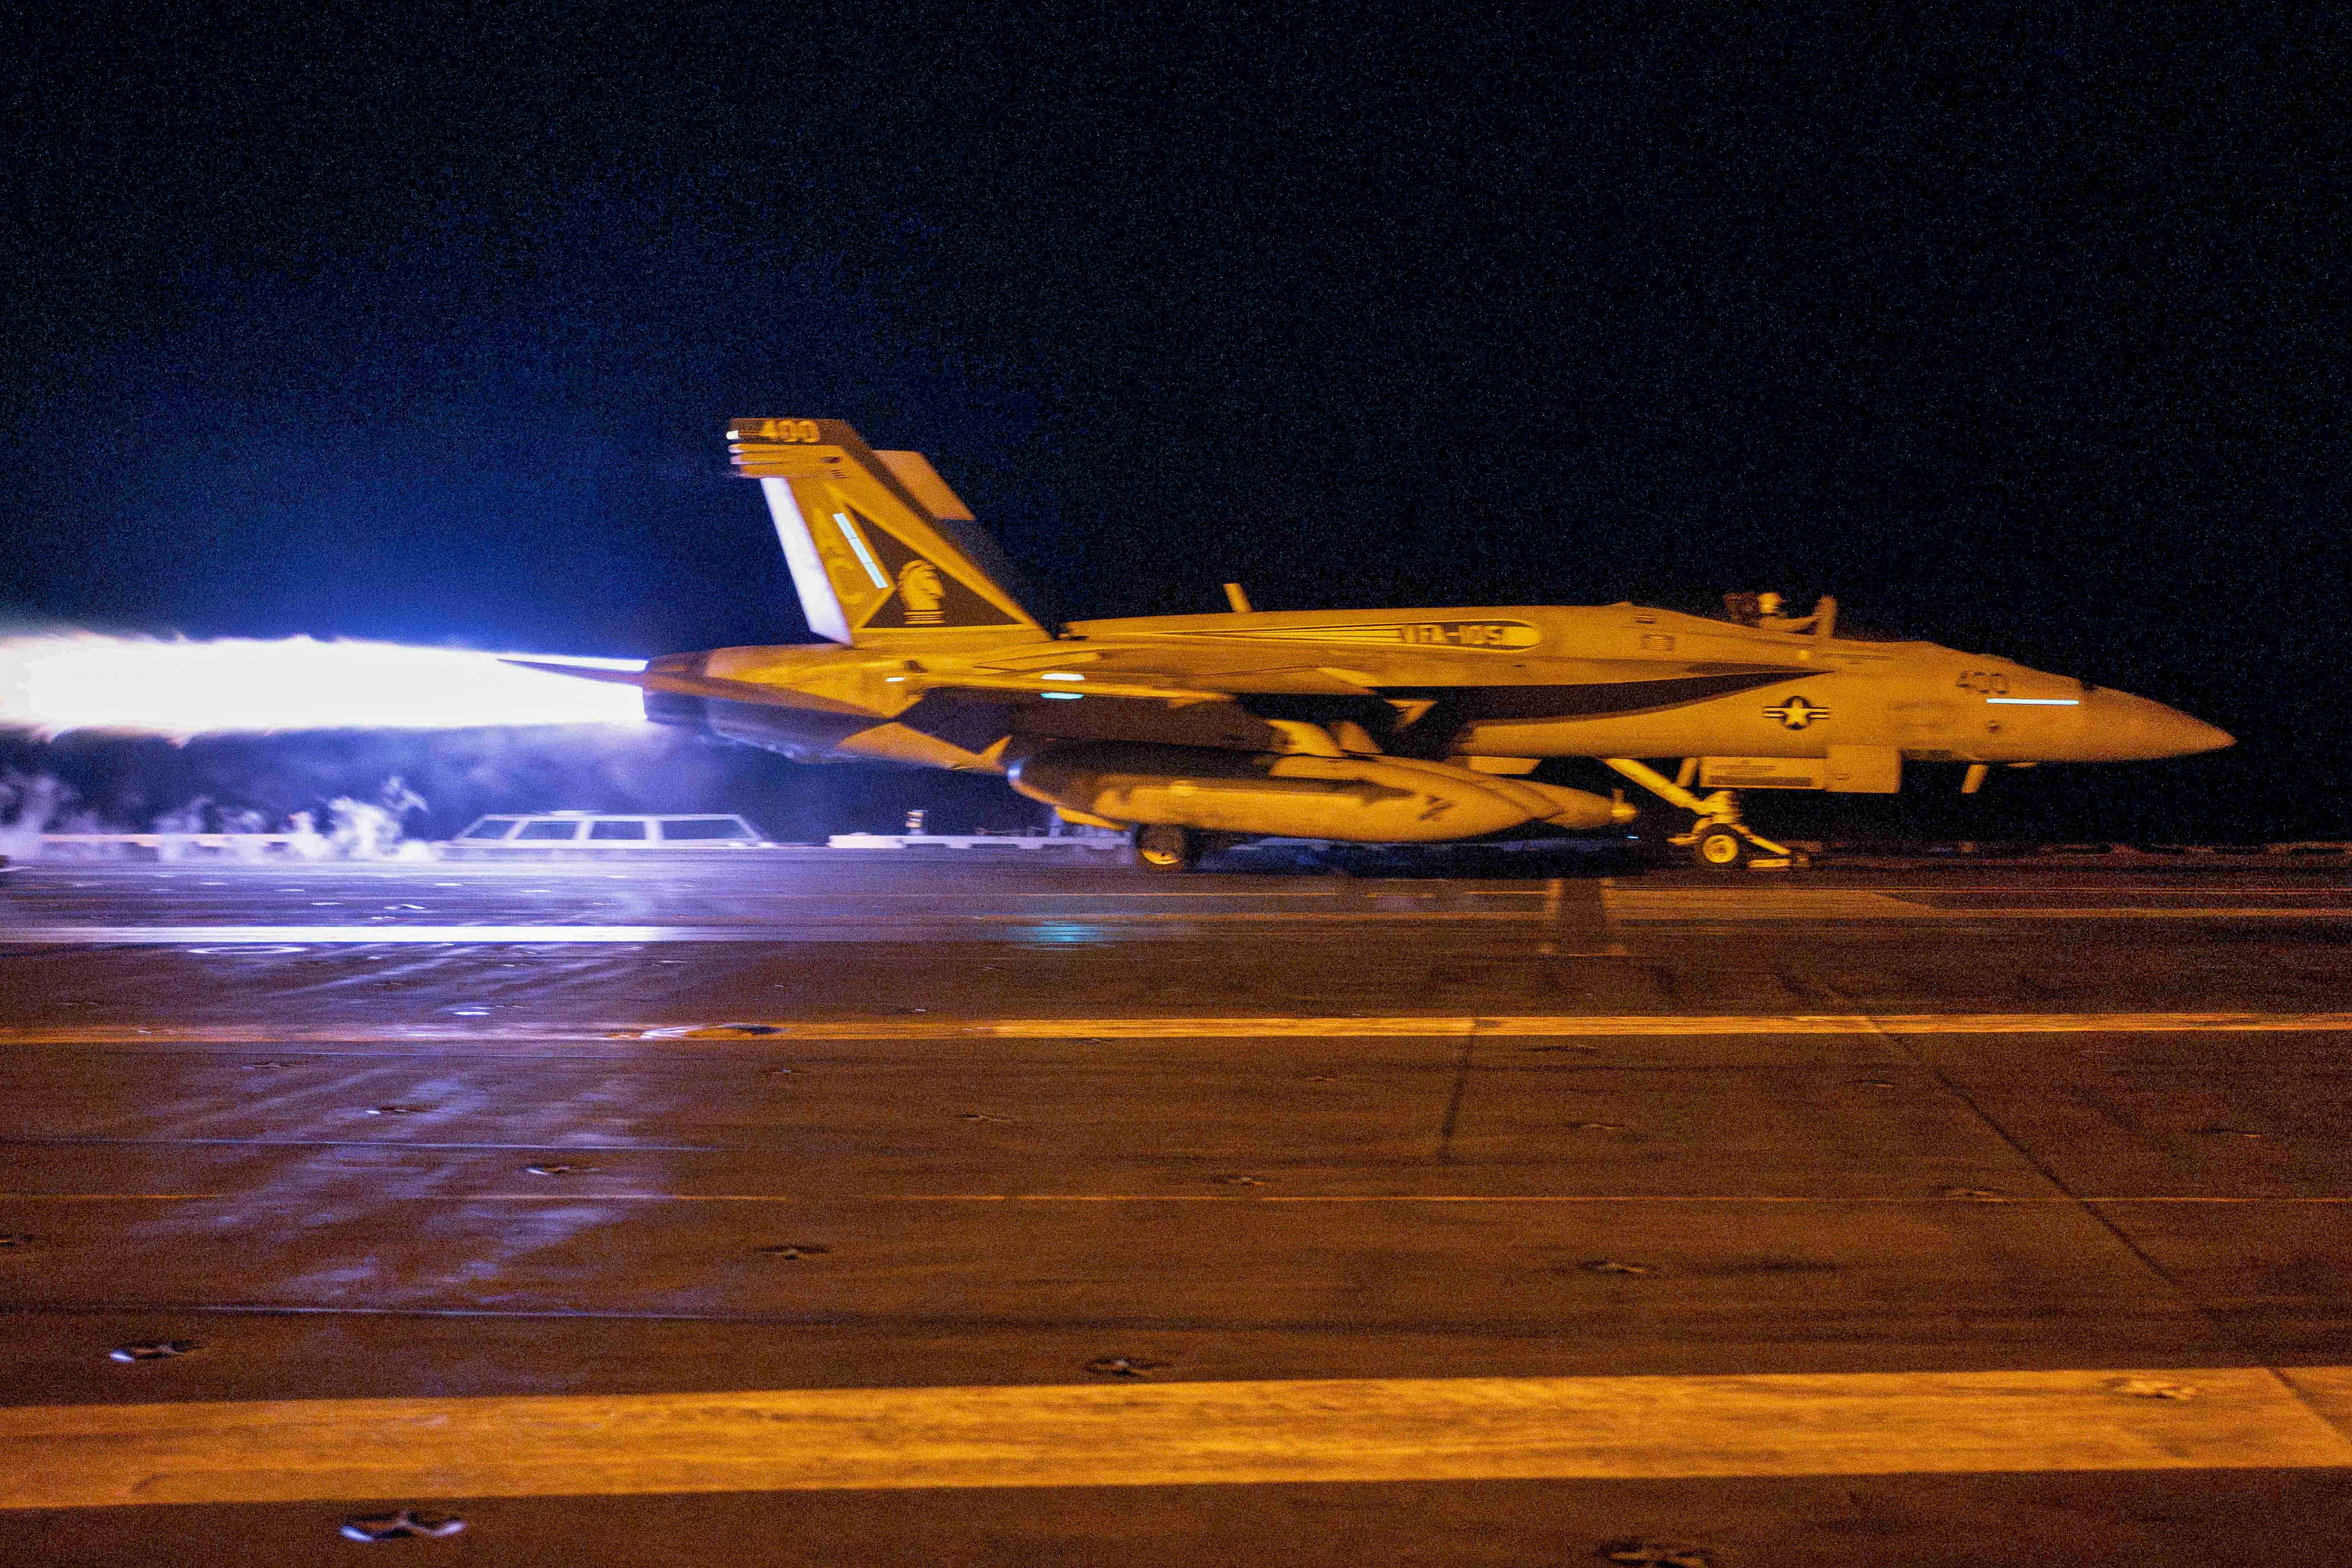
x=1719 y=847
x=1159 y=847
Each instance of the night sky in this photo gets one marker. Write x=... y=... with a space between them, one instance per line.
x=2022 y=328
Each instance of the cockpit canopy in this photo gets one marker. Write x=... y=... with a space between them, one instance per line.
x=1769 y=611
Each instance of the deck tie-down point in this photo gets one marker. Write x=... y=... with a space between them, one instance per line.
x=407 y=1524
x=1657 y=1555
x=1124 y=1366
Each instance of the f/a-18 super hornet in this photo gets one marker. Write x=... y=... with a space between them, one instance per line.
x=1372 y=726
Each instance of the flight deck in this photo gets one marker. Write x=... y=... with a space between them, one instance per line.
x=839 y=1206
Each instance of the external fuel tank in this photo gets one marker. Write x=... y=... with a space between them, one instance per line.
x=1358 y=799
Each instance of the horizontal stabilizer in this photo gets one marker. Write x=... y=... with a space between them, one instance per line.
x=686 y=685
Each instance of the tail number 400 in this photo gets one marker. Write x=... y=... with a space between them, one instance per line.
x=775 y=430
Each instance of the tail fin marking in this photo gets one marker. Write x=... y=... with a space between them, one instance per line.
x=875 y=540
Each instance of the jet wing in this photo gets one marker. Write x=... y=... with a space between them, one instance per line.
x=1038 y=685
x=1184 y=675
x=1068 y=677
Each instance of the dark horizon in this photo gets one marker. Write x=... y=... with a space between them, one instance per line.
x=2024 y=335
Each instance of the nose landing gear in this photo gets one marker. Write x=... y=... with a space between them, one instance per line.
x=1719 y=838
x=1714 y=843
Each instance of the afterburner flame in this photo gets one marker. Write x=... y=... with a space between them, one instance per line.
x=79 y=680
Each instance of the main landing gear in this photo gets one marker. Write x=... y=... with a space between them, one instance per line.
x=1161 y=847
x=1718 y=837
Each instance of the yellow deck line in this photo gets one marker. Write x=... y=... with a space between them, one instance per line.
x=1627 y=1025
x=437 y=1449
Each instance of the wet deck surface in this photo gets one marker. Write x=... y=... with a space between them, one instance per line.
x=637 y=1136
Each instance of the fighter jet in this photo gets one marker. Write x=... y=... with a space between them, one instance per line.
x=1367 y=726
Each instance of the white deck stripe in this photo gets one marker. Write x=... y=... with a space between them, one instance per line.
x=323 y=935
x=1651 y=910
x=96 y=1456
x=783 y=930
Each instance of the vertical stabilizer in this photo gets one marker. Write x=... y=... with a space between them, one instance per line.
x=881 y=550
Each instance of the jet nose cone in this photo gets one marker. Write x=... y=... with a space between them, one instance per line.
x=2204 y=737
x=2124 y=728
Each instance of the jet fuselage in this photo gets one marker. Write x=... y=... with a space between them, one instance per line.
x=1369 y=725
x=1531 y=683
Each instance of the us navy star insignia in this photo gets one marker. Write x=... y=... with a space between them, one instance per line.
x=1796 y=713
